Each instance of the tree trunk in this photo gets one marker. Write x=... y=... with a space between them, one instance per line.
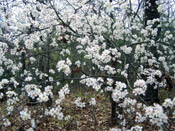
x=151 y=13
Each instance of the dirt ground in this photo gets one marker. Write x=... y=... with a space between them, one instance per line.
x=82 y=119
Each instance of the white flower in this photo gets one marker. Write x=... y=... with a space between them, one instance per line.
x=64 y=66
x=119 y=92
x=139 y=117
x=67 y=118
x=51 y=71
x=1 y=95
x=156 y=115
x=136 y=128
x=140 y=87
x=161 y=8
x=168 y=103
x=32 y=90
x=110 y=81
x=32 y=60
x=6 y=122
x=158 y=73
x=4 y=81
x=115 y=129
x=33 y=124
x=30 y=129
x=110 y=70
x=56 y=113
x=92 y=101
x=125 y=49
x=66 y=89
x=106 y=57
x=11 y=93
x=138 y=91
x=43 y=97
x=60 y=116
x=25 y=115
x=29 y=44
x=78 y=103
x=77 y=63
x=120 y=85
x=108 y=88
x=29 y=78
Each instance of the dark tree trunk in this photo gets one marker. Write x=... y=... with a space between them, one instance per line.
x=151 y=13
x=113 y=112
x=115 y=106
x=23 y=62
x=49 y=102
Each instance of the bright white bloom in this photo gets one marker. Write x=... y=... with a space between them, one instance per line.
x=106 y=56
x=168 y=103
x=64 y=66
x=56 y=112
x=108 y=88
x=92 y=82
x=110 y=81
x=110 y=70
x=43 y=97
x=6 y=122
x=32 y=60
x=156 y=115
x=29 y=78
x=138 y=91
x=11 y=93
x=128 y=103
x=78 y=63
x=115 y=129
x=120 y=85
x=30 y=129
x=78 y=103
x=32 y=90
x=51 y=71
x=136 y=128
x=4 y=81
x=119 y=92
x=140 y=87
x=140 y=83
x=65 y=89
x=33 y=124
x=29 y=44
x=25 y=114
x=139 y=117
x=92 y=101
x=126 y=50
x=48 y=90
x=1 y=95
x=158 y=73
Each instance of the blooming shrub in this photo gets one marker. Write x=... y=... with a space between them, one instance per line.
x=42 y=43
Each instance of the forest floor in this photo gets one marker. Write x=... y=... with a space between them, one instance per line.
x=82 y=119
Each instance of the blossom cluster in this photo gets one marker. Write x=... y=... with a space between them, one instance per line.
x=64 y=66
x=119 y=92
x=80 y=104
x=55 y=112
x=92 y=101
x=169 y=103
x=91 y=82
x=32 y=90
x=25 y=114
x=140 y=87
x=156 y=115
